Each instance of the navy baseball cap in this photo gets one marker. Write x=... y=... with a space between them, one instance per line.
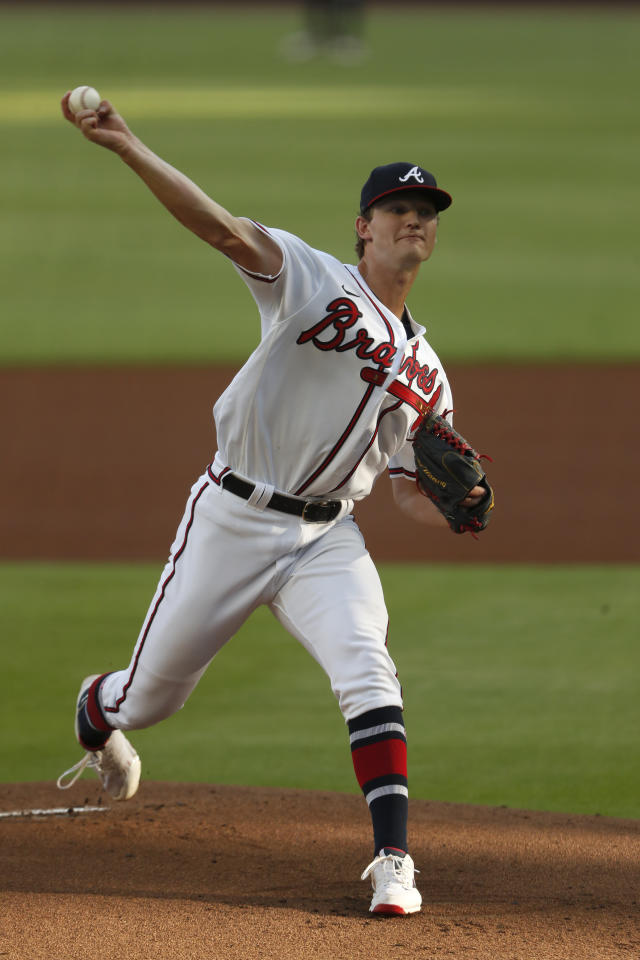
x=393 y=177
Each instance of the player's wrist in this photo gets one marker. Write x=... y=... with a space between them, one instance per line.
x=131 y=150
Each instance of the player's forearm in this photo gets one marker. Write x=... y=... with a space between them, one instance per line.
x=412 y=503
x=180 y=195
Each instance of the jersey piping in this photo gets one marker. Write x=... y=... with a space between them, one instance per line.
x=374 y=304
x=368 y=446
x=342 y=440
x=169 y=578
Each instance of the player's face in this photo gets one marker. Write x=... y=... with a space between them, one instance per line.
x=402 y=228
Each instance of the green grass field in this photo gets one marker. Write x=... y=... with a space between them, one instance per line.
x=528 y=117
x=525 y=694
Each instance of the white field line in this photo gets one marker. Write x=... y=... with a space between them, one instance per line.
x=52 y=812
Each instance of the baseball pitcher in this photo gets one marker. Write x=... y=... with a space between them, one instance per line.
x=341 y=386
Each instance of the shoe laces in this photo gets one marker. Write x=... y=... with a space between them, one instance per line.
x=394 y=867
x=90 y=760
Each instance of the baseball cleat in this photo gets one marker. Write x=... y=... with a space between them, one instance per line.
x=394 y=888
x=116 y=764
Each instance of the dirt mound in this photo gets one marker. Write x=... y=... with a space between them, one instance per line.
x=203 y=871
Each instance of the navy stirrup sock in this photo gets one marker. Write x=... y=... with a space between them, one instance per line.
x=379 y=753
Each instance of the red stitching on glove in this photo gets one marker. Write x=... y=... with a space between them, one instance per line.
x=445 y=433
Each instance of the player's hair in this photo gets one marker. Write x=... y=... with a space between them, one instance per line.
x=359 y=247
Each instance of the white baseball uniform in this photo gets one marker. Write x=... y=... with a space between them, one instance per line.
x=327 y=401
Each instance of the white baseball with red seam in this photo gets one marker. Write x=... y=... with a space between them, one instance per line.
x=84 y=98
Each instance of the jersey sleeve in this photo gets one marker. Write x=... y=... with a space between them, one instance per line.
x=402 y=464
x=282 y=295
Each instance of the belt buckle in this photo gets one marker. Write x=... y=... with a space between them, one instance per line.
x=327 y=505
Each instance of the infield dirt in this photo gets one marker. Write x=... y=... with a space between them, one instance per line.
x=201 y=871
x=98 y=464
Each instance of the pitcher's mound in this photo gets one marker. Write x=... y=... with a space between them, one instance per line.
x=242 y=873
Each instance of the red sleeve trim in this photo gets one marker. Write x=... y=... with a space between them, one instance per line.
x=395 y=472
x=258 y=276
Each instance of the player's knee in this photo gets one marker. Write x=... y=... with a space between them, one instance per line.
x=368 y=693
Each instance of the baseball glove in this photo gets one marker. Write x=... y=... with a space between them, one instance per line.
x=447 y=469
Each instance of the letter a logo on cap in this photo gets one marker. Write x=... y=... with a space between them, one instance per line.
x=414 y=172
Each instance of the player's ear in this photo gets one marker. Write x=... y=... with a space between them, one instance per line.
x=363 y=228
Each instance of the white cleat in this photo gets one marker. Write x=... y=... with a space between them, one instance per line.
x=394 y=887
x=117 y=764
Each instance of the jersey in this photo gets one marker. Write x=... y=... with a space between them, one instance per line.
x=334 y=391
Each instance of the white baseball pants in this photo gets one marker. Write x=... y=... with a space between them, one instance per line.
x=230 y=557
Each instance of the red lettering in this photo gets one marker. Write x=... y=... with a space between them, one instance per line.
x=312 y=332
x=426 y=380
x=362 y=352
x=384 y=354
x=341 y=315
x=361 y=340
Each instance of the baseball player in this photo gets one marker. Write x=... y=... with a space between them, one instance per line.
x=334 y=27
x=328 y=400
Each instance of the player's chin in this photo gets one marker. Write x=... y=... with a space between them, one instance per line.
x=414 y=254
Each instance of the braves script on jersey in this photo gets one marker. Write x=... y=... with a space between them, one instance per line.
x=335 y=389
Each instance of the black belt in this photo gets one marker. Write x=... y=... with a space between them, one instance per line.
x=313 y=511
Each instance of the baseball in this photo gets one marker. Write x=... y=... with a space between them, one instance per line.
x=84 y=98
